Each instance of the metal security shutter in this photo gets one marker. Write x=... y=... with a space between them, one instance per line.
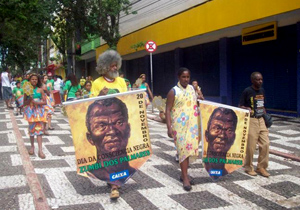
x=276 y=60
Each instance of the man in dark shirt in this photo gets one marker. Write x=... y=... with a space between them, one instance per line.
x=253 y=99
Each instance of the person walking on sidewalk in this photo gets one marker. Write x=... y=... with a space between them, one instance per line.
x=182 y=118
x=71 y=87
x=86 y=91
x=19 y=97
x=197 y=89
x=144 y=85
x=253 y=99
x=108 y=65
x=49 y=110
x=7 y=92
x=35 y=114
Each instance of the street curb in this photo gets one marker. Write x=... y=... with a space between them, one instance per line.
x=39 y=198
x=285 y=155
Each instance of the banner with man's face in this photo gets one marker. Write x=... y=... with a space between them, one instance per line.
x=224 y=133
x=110 y=135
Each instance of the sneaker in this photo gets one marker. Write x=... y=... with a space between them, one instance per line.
x=251 y=173
x=263 y=172
x=114 y=194
x=177 y=158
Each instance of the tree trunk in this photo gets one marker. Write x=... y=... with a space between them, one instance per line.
x=73 y=55
x=69 y=62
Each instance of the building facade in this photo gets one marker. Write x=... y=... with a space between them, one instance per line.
x=222 y=42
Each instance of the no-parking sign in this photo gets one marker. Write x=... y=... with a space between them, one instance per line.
x=150 y=46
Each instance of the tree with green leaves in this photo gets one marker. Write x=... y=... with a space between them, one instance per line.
x=104 y=19
x=23 y=26
x=70 y=27
x=60 y=37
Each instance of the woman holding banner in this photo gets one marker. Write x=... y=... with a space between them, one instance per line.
x=182 y=118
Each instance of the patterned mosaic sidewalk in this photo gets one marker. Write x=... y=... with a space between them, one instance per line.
x=156 y=185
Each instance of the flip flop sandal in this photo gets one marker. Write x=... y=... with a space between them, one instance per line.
x=192 y=182
x=187 y=187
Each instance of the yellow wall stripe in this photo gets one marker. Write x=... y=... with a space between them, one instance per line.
x=211 y=16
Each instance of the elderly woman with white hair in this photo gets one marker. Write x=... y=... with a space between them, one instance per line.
x=109 y=82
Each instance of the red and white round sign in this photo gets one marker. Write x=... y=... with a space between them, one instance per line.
x=150 y=46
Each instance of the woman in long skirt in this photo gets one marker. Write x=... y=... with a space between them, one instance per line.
x=182 y=118
x=35 y=114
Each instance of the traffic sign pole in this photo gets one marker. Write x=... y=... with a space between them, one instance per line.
x=151 y=72
x=151 y=47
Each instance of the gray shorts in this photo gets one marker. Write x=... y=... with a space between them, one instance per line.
x=7 y=93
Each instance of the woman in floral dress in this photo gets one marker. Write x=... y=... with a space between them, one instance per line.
x=182 y=118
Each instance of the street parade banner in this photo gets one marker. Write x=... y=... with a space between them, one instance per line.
x=224 y=133
x=110 y=135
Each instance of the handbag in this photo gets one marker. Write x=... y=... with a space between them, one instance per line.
x=268 y=120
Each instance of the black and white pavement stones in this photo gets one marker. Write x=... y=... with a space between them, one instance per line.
x=14 y=190
x=156 y=185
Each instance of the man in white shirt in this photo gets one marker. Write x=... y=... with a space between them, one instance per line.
x=7 y=93
x=57 y=83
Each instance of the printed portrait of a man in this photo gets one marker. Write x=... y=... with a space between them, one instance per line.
x=108 y=130
x=220 y=136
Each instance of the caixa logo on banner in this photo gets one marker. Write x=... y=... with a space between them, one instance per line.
x=215 y=172
x=119 y=175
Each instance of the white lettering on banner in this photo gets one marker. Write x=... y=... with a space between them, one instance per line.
x=119 y=175
x=215 y=172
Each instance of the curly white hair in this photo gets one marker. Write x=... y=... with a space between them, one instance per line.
x=106 y=59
